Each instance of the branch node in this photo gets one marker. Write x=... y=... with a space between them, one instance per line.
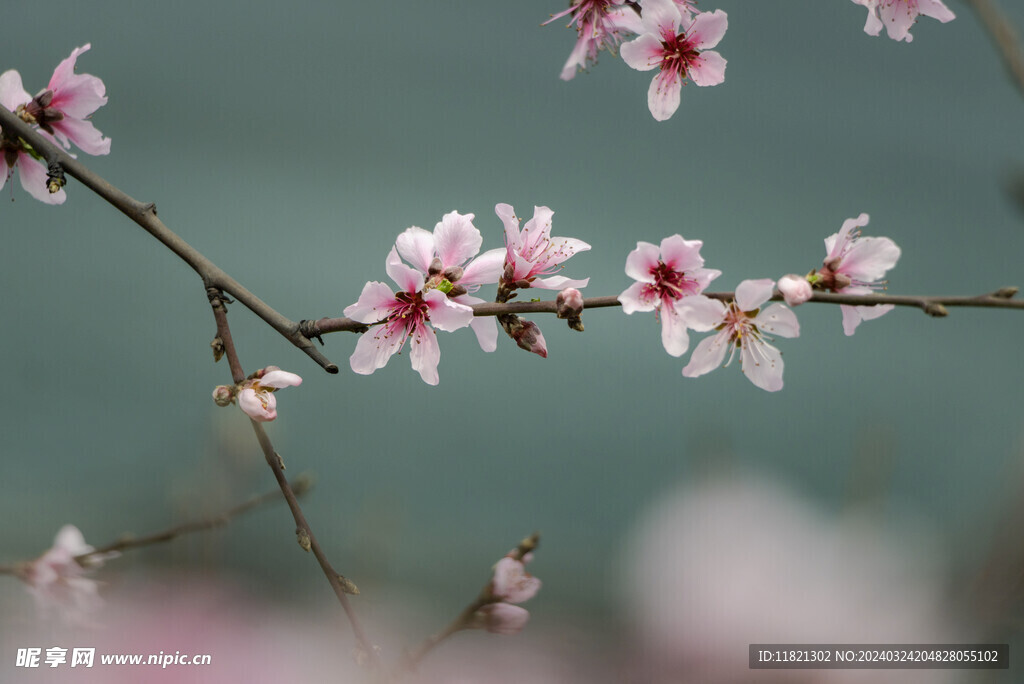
x=310 y=331
x=935 y=309
x=280 y=461
x=217 y=344
x=303 y=539
x=1006 y=292
x=347 y=585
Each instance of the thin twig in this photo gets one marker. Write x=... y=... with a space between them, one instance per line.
x=1000 y=299
x=304 y=533
x=1004 y=36
x=144 y=214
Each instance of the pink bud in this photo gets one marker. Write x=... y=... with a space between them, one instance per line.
x=795 y=289
x=529 y=337
x=569 y=302
x=223 y=395
x=501 y=618
x=511 y=581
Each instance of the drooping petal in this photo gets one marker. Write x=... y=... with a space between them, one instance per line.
x=375 y=303
x=446 y=314
x=456 y=239
x=778 y=320
x=750 y=294
x=762 y=364
x=562 y=248
x=577 y=58
x=642 y=261
x=663 y=94
x=644 y=53
x=416 y=246
x=708 y=355
x=81 y=133
x=708 y=69
x=484 y=327
x=279 y=378
x=673 y=332
x=898 y=18
x=936 y=10
x=708 y=29
x=507 y=214
x=853 y=315
x=374 y=349
x=424 y=353
x=558 y=283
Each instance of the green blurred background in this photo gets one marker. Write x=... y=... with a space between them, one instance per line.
x=291 y=143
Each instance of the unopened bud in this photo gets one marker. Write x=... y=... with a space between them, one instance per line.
x=223 y=395
x=509 y=274
x=529 y=337
x=217 y=345
x=435 y=266
x=303 y=539
x=795 y=289
x=569 y=302
x=523 y=283
x=457 y=291
x=453 y=273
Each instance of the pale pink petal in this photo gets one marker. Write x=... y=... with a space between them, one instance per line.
x=279 y=378
x=533 y=238
x=762 y=364
x=708 y=29
x=835 y=243
x=33 y=179
x=424 y=353
x=77 y=95
x=374 y=348
x=81 y=133
x=456 y=239
x=625 y=20
x=70 y=539
x=562 y=248
x=577 y=58
x=12 y=93
x=681 y=255
x=708 y=69
x=375 y=303
x=663 y=95
x=260 y=406
x=512 y=583
x=701 y=313
x=633 y=299
x=778 y=320
x=485 y=269
x=853 y=315
x=673 y=332
x=873 y=26
x=408 y=279
x=507 y=214
x=416 y=246
x=641 y=261
x=795 y=289
x=898 y=20
x=708 y=355
x=704 y=276
x=661 y=17
x=559 y=283
x=446 y=314
x=870 y=258
x=750 y=294
x=502 y=618
x=644 y=53
x=484 y=327
x=936 y=10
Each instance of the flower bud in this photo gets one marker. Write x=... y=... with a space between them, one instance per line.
x=501 y=618
x=223 y=395
x=569 y=302
x=435 y=266
x=795 y=289
x=529 y=337
x=453 y=273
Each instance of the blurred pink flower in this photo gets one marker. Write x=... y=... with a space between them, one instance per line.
x=600 y=25
x=57 y=581
x=532 y=252
x=856 y=265
x=898 y=16
x=501 y=618
x=742 y=324
x=680 y=48
x=411 y=313
x=511 y=582
x=257 y=398
x=665 y=278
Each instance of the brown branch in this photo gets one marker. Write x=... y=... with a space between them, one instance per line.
x=304 y=533
x=934 y=306
x=144 y=214
x=1004 y=36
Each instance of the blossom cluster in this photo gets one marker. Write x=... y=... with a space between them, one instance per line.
x=675 y=38
x=510 y=585
x=670 y=279
x=61 y=114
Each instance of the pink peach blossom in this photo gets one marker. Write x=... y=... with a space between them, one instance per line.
x=14 y=154
x=600 y=25
x=257 y=398
x=532 y=252
x=741 y=324
x=680 y=48
x=665 y=277
x=898 y=16
x=795 y=289
x=57 y=581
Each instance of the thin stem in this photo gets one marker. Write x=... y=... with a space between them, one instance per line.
x=144 y=214
x=1004 y=36
x=304 y=533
